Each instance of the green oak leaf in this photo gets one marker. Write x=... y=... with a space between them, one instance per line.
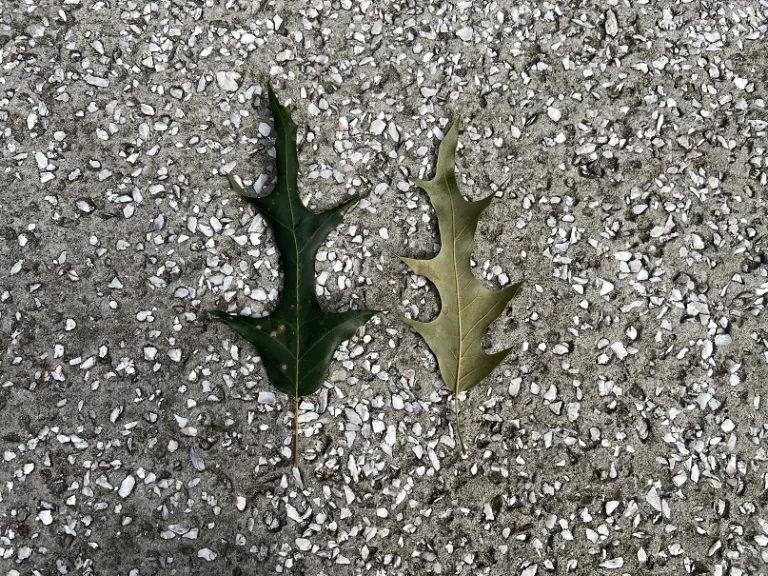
x=297 y=340
x=467 y=306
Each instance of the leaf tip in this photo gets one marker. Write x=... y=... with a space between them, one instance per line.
x=348 y=204
x=271 y=93
x=274 y=104
x=235 y=185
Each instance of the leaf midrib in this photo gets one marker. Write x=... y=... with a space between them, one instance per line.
x=286 y=152
x=452 y=190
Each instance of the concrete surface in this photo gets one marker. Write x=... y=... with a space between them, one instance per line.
x=626 y=144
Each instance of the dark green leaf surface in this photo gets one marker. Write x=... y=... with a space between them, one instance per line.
x=467 y=306
x=297 y=340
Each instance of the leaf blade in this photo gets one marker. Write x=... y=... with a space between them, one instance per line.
x=298 y=338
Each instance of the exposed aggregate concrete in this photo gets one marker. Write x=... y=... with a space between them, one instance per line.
x=625 y=142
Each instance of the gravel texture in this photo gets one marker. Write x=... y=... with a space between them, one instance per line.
x=626 y=144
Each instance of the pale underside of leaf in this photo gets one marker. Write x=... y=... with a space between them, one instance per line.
x=467 y=306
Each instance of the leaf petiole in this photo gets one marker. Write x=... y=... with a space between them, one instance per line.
x=458 y=425
x=296 y=432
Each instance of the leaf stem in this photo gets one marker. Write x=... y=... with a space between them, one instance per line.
x=458 y=424
x=296 y=432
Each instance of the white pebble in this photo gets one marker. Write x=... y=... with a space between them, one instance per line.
x=619 y=350
x=605 y=287
x=284 y=56
x=723 y=339
x=652 y=497
x=45 y=517
x=126 y=486
x=377 y=127
x=41 y=159
x=560 y=349
x=393 y=132
x=554 y=114
x=227 y=80
x=303 y=544
x=613 y=563
x=96 y=81
x=466 y=33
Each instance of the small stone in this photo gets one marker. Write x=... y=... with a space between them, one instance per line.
x=96 y=81
x=303 y=544
x=85 y=205
x=228 y=80
x=393 y=132
x=554 y=114
x=466 y=33
x=723 y=340
x=207 y=554
x=613 y=563
x=611 y=24
x=605 y=287
x=41 y=159
x=284 y=56
x=652 y=497
x=378 y=126
x=126 y=486
x=619 y=350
